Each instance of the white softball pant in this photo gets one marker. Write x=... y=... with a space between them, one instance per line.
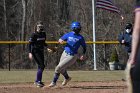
x=66 y=60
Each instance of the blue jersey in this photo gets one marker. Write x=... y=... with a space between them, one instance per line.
x=127 y=40
x=73 y=42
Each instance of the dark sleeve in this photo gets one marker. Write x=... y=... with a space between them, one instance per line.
x=83 y=44
x=120 y=37
x=128 y=40
x=138 y=3
x=32 y=40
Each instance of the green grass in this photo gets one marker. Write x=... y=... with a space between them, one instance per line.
x=29 y=76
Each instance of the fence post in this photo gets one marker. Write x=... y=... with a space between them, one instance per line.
x=105 y=61
x=9 y=57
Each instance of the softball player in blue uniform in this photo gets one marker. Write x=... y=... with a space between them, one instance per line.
x=134 y=60
x=36 y=50
x=69 y=56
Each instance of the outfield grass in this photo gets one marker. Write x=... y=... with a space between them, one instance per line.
x=28 y=76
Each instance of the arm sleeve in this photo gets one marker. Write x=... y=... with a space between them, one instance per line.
x=64 y=37
x=83 y=44
x=31 y=42
x=120 y=37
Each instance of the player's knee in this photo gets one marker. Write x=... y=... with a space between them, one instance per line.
x=42 y=67
x=63 y=71
x=58 y=69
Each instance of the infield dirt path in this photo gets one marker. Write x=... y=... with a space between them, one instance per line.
x=72 y=87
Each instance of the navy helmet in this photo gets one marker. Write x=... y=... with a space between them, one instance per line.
x=128 y=26
x=75 y=25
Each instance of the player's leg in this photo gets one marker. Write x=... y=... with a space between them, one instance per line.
x=67 y=78
x=135 y=77
x=39 y=58
x=55 y=78
x=68 y=61
x=60 y=68
x=57 y=73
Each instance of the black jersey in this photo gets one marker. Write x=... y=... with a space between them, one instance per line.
x=37 y=41
x=138 y=3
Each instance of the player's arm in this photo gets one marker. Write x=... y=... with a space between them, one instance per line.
x=49 y=49
x=32 y=40
x=135 y=35
x=63 y=38
x=83 y=44
x=121 y=38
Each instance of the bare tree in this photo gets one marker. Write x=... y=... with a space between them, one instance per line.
x=17 y=19
x=23 y=20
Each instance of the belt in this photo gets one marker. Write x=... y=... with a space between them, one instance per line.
x=69 y=53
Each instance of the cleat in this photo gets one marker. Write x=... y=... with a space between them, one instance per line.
x=39 y=84
x=66 y=81
x=52 y=84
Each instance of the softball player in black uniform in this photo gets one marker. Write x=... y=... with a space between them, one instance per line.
x=36 y=49
x=134 y=61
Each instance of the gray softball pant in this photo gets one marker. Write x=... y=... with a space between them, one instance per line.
x=66 y=60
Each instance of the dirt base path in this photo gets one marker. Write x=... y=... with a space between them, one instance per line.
x=72 y=87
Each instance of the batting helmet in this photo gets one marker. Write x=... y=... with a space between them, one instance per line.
x=75 y=25
x=128 y=26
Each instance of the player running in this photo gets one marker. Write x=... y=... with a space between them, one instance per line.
x=69 y=56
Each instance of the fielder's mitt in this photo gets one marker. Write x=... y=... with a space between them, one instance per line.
x=52 y=49
x=82 y=58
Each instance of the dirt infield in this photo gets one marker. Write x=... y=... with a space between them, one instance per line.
x=72 y=87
